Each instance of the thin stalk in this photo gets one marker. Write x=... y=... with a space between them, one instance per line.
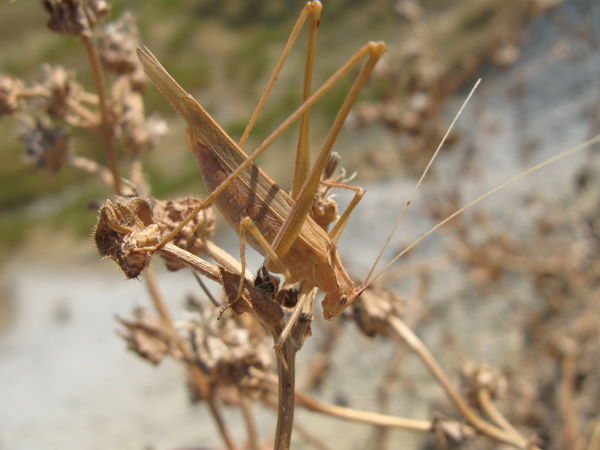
x=93 y=168
x=571 y=435
x=487 y=405
x=309 y=438
x=381 y=420
x=216 y=412
x=286 y=369
x=136 y=173
x=106 y=128
x=459 y=402
x=246 y=404
x=200 y=380
x=307 y=401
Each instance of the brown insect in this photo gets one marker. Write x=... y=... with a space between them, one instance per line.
x=280 y=225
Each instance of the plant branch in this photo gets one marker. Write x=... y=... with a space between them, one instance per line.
x=246 y=404
x=459 y=402
x=93 y=168
x=307 y=401
x=485 y=400
x=106 y=128
x=200 y=380
x=286 y=369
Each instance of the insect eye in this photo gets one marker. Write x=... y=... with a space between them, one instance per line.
x=342 y=301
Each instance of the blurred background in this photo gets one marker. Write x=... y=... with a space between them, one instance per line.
x=512 y=283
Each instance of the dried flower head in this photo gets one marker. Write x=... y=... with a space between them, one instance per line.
x=227 y=352
x=482 y=376
x=62 y=91
x=125 y=228
x=117 y=42
x=10 y=102
x=75 y=17
x=325 y=208
x=149 y=336
x=195 y=234
x=140 y=133
x=48 y=146
x=376 y=305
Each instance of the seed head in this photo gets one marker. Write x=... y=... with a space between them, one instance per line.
x=117 y=43
x=61 y=91
x=195 y=234
x=48 y=146
x=10 y=102
x=125 y=229
x=149 y=336
x=75 y=17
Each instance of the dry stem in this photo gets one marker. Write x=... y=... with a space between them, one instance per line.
x=199 y=379
x=106 y=122
x=286 y=369
x=246 y=404
x=459 y=402
x=307 y=401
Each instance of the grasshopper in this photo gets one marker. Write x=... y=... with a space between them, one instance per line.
x=280 y=226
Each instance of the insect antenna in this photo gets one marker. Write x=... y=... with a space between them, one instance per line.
x=561 y=155
x=368 y=280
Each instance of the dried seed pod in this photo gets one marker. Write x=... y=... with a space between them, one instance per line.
x=227 y=353
x=10 y=102
x=149 y=337
x=325 y=209
x=140 y=133
x=62 y=92
x=125 y=228
x=75 y=17
x=195 y=234
x=482 y=376
x=266 y=282
x=117 y=43
x=376 y=305
x=48 y=146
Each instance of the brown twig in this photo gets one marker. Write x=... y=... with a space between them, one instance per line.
x=407 y=335
x=487 y=405
x=567 y=400
x=307 y=401
x=106 y=117
x=92 y=167
x=286 y=369
x=246 y=404
x=199 y=379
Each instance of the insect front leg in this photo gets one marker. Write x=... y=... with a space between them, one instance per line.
x=248 y=225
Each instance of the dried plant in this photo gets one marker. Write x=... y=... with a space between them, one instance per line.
x=226 y=348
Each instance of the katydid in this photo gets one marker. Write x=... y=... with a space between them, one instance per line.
x=280 y=227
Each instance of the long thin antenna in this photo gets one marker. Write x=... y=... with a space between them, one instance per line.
x=541 y=165
x=421 y=180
